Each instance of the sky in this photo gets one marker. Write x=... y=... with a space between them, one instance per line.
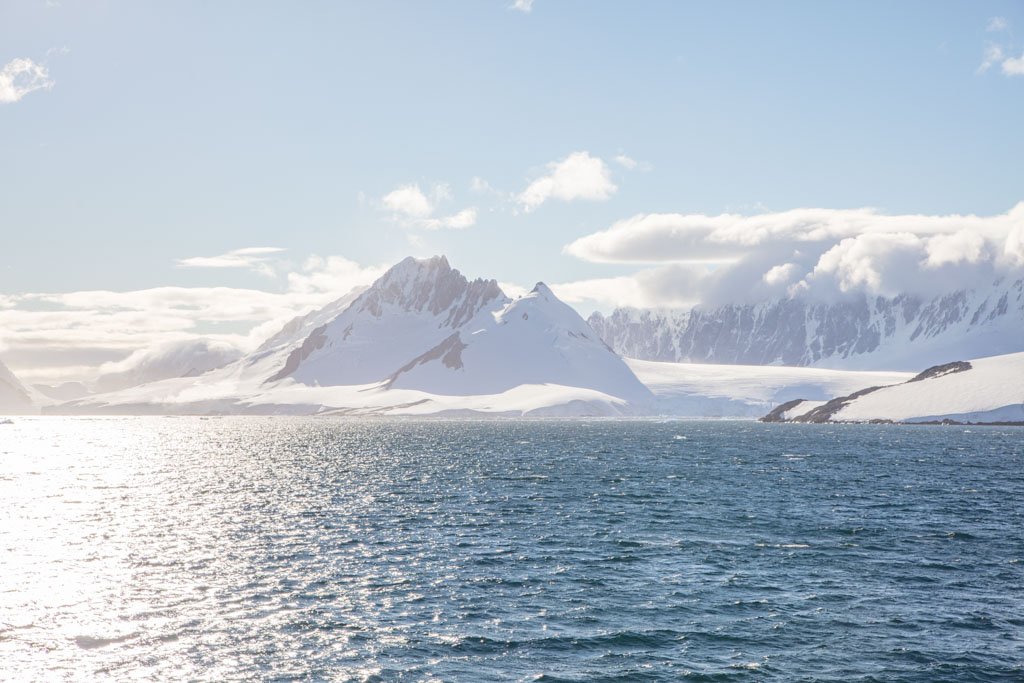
x=178 y=170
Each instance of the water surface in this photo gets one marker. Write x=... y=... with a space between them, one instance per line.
x=391 y=550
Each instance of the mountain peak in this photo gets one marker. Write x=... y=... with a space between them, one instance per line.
x=542 y=289
x=430 y=284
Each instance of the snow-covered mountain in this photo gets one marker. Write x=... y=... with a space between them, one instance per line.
x=872 y=333
x=981 y=391
x=421 y=340
x=15 y=398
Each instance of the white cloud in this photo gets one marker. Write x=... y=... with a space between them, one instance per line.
x=780 y=274
x=457 y=221
x=21 y=76
x=578 y=176
x=1013 y=66
x=997 y=53
x=996 y=24
x=525 y=6
x=414 y=208
x=252 y=258
x=481 y=186
x=409 y=201
x=626 y=162
x=993 y=55
x=824 y=252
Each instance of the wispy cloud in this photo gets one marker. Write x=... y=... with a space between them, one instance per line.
x=626 y=162
x=996 y=53
x=996 y=24
x=21 y=76
x=578 y=176
x=525 y=6
x=251 y=258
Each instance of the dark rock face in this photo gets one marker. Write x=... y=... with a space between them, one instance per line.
x=314 y=341
x=825 y=412
x=940 y=370
x=801 y=332
x=780 y=410
x=449 y=351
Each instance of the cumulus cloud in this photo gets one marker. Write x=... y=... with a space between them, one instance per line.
x=820 y=252
x=578 y=176
x=1013 y=66
x=414 y=208
x=525 y=6
x=409 y=201
x=251 y=258
x=21 y=76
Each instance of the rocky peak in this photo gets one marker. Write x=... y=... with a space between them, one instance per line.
x=428 y=285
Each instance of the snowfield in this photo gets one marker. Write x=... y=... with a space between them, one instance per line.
x=700 y=390
x=991 y=391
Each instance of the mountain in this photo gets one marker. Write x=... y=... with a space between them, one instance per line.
x=872 y=333
x=421 y=340
x=15 y=399
x=177 y=359
x=981 y=391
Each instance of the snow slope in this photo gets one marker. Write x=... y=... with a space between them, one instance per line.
x=704 y=390
x=421 y=340
x=15 y=398
x=992 y=390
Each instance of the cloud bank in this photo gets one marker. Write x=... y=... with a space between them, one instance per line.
x=817 y=252
x=70 y=336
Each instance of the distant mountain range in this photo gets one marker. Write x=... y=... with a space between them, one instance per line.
x=864 y=333
x=424 y=340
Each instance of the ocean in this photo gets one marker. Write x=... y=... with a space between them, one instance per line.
x=223 y=549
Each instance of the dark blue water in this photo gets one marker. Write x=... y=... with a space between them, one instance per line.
x=295 y=549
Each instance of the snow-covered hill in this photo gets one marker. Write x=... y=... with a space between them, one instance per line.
x=15 y=398
x=899 y=333
x=421 y=340
x=984 y=390
x=706 y=390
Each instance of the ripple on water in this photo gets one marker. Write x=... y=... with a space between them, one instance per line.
x=380 y=550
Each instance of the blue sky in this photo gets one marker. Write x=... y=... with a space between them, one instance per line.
x=170 y=131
